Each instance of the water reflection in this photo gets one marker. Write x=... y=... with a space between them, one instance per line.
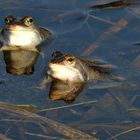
x=20 y=61
x=67 y=91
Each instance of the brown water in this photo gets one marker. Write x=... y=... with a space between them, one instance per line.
x=110 y=33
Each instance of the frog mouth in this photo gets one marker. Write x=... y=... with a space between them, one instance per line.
x=19 y=27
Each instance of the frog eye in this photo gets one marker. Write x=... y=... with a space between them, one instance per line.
x=70 y=60
x=28 y=21
x=9 y=19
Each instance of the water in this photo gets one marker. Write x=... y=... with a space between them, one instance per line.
x=88 y=33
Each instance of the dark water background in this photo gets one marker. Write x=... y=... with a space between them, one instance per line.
x=78 y=28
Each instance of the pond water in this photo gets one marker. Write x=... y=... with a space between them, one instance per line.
x=111 y=34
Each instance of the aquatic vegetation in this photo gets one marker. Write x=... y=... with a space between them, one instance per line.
x=22 y=114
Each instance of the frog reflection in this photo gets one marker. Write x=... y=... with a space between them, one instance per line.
x=69 y=74
x=20 y=62
x=19 y=40
x=67 y=91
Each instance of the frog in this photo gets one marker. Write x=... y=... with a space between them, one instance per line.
x=69 y=74
x=22 y=32
x=20 y=39
x=70 y=68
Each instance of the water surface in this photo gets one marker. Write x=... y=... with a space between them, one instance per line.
x=110 y=34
